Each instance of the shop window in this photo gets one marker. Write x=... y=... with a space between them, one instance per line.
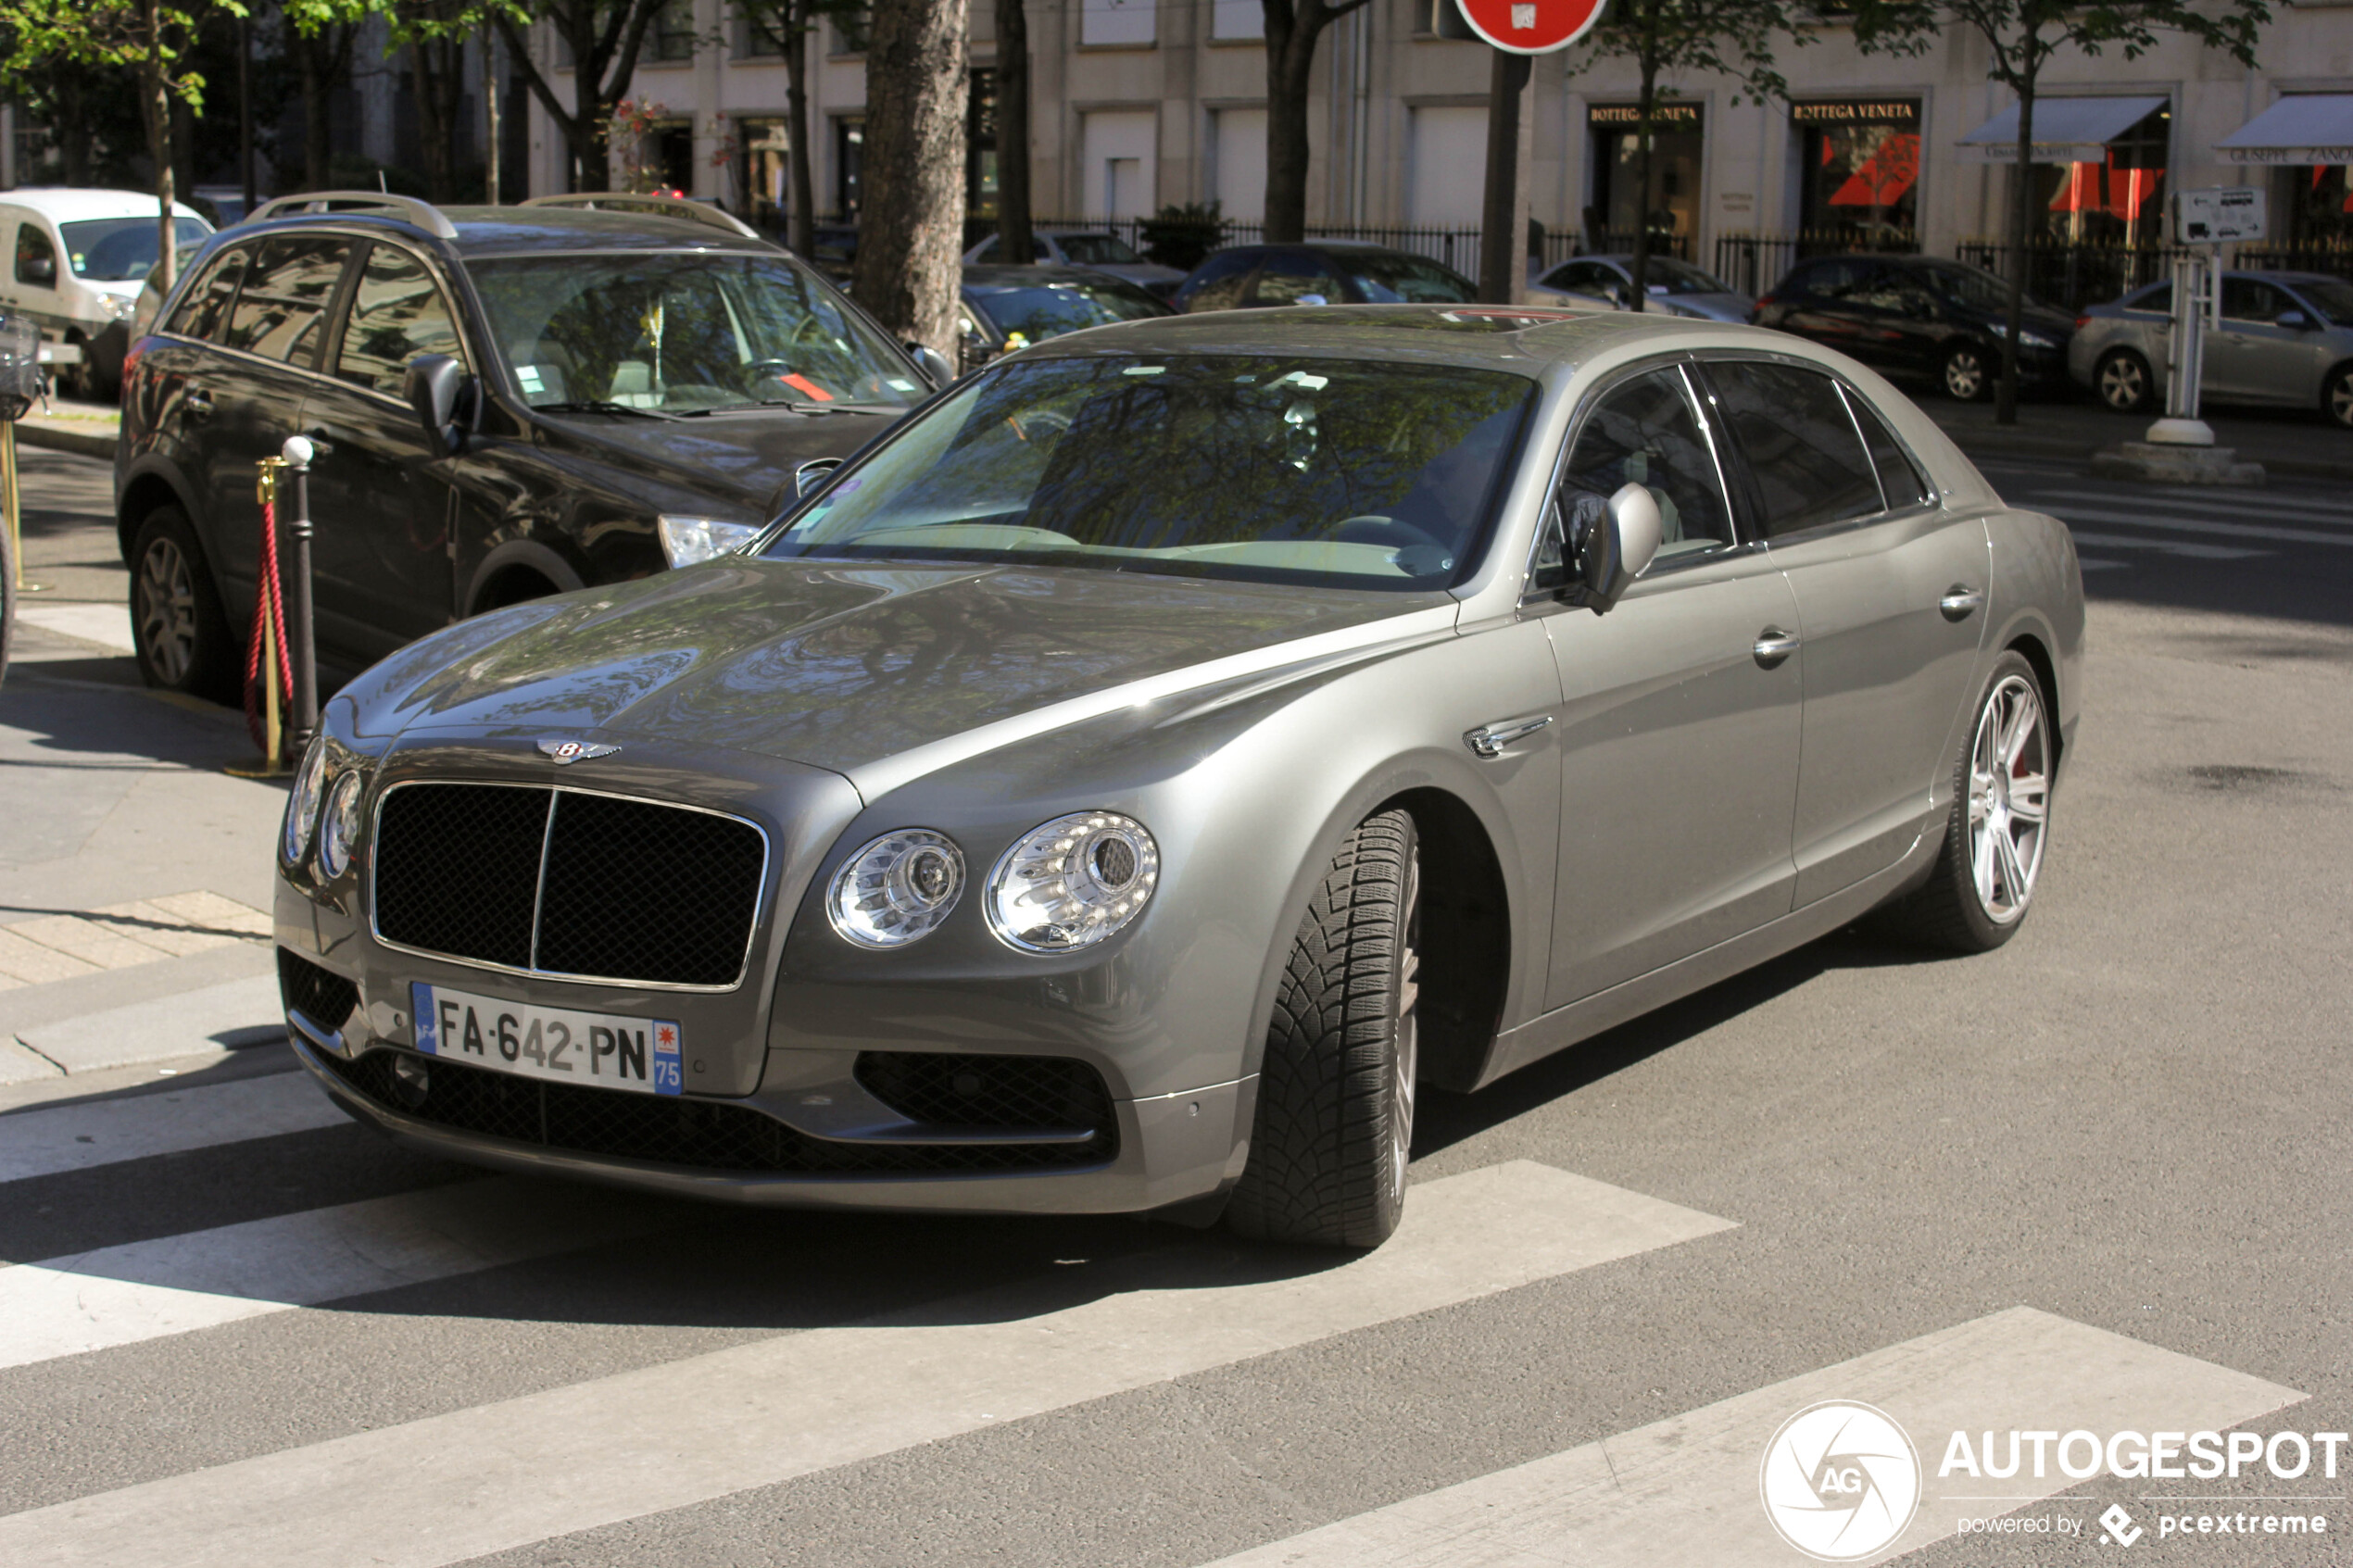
x=2119 y=200
x=849 y=162
x=2319 y=207
x=980 y=145
x=1858 y=178
x=763 y=172
x=1621 y=208
x=1436 y=18
x=850 y=31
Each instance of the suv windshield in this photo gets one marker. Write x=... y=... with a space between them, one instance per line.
x=1097 y=250
x=684 y=333
x=1317 y=471
x=1390 y=277
x=1052 y=309
x=120 y=250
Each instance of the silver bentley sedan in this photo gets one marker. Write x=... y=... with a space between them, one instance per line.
x=1130 y=783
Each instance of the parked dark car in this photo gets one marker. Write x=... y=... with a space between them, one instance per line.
x=2285 y=338
x=512 y=402
x=1009 y=308
x=1320 y=272
x=1089 y=248
x=832 y=250
x=1918 y=318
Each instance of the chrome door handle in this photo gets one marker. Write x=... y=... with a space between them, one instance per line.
x=1488 y=740
x=1773 y=644
x=1961 y=602
x=199 y=402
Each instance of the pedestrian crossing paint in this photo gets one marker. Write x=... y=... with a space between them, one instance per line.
x=598 y=1452
x=202 y=1279
x=2213 y=530
x=2207 y=506
x=2165 y=547
x=76 y=1138
x=1685 y=1490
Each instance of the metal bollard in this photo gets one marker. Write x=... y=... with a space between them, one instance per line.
x=303 y=651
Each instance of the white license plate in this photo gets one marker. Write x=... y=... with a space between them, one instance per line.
x=603 y=1051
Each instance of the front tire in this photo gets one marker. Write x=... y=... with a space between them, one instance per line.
x=2124 y=382
x=176 y=621
x=1985 y=880
x=2336 y=398
x=1335 y=1120
x=1966 y=375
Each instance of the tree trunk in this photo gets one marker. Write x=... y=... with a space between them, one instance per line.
x=156 y=101
x=1290 y=58
x=2006 y=390
x=493 y=87
x=311 y=59
x=1015 y=245
x=591 y=116
x=800 y=183
x=911 y=224
x=1646 y=106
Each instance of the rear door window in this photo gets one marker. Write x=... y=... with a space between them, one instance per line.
x=1218 y=285
x=396 y=316
x=1899 y=481
x=1808 y=462
x=204 y=312
x=282 y=308
x=1837 y=279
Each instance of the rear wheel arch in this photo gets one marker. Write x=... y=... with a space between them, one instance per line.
x=144 y=494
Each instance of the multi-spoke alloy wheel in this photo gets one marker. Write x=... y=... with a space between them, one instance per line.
x=1965 y=374
x=2009 y=787
x=167 y=610
x=2123 y=381
x=1978 y=893
x=176 y=622
x=2337 y=400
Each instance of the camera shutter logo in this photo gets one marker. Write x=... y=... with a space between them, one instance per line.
x=1839 y=1480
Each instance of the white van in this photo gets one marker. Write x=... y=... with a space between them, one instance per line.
x=73 y=261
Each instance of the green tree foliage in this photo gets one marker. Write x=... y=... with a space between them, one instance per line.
x=2022 y=37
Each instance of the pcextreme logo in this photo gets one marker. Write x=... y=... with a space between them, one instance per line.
x=1839 y=1480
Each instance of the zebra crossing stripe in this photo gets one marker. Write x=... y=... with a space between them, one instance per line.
x=1686 y=1489
x=100 y=1132
x=511 y=1474
x=2239 y=530
x=201 y=1279
x=2207 y=506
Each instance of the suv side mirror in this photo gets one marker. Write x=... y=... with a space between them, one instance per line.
x=2294 y=321
x=933 y=363
x=433 y=386
x=1617 y=549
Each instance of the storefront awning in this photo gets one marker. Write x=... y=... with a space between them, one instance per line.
x=2065 y=129
x=2304 y=127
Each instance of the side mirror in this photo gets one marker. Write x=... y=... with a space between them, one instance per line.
x=433 y=386
x=2294 y=321
x=933 y=363
x=1619 y=549
x=813 y=473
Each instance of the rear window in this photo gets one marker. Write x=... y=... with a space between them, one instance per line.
x=1391 y=277
x=1793 y=426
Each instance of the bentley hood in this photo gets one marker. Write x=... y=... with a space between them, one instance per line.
x=835 y=666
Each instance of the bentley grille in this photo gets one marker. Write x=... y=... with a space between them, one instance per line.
x=565 y=883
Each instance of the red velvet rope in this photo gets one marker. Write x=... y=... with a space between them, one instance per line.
x=269 y=621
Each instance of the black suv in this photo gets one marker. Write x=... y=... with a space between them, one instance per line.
x=1914 y=316
x=513 y=401
x=1320 y=272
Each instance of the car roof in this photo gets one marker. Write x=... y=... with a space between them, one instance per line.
x=66 y=204
x=984 y=277
x=526 y=231
x=1358 y=246
x=1497 y=336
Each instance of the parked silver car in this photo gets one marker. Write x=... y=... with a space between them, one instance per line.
x=1125 y=785
x=1675 y=288
x=2285 y=338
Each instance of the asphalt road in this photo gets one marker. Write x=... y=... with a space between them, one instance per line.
x=2096 y=1180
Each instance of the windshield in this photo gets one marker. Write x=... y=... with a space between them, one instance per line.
x=120 y=250
x=1052 y=309
x=1097 y=250
x=1970 y=288
x=683 y=333
x=2331 y=297
x=1667 y=275
x=1317 y=471
x=1394 y=277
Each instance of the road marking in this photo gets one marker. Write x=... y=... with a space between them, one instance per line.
x=100 y=1132
x=201 y=1279
x=507 y=1475
x=2219 y=530
x=2201 y=505
x=1685 y=1489
x=2168 y=546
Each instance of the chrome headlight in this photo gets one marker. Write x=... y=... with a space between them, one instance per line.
x=339 y=826
x=302 y=804
x=118 y=307
x=1073 y=881
x=896 y=889
x=687 y=540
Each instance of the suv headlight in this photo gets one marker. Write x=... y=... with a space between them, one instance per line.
x=1073 y=881
x=687 y=540
x=896 y=889
x=302 y=803
x=119 y=307
x=339 y=823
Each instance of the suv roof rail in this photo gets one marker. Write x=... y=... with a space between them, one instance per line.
x=423 y=214
x=663 y=207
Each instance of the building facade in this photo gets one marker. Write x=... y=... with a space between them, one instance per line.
x=1141 y=104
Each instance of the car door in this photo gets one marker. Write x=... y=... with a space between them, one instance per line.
x=1680 y=714
x=2253 y=358
x=381 y=554
x=1890 y=588
x=246 y=396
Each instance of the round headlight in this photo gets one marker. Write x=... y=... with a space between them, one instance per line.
x=896 y=889
x=1073 y=881
x=339 y=826
x=302 y=804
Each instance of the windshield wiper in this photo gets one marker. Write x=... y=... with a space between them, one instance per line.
x=597 y=406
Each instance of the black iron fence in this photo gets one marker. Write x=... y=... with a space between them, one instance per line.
x=2073 y=276
x=1754 y=263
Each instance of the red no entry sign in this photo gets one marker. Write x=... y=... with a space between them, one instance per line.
x=1530 y=27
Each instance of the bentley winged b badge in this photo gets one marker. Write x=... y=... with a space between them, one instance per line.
x=561 y=752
